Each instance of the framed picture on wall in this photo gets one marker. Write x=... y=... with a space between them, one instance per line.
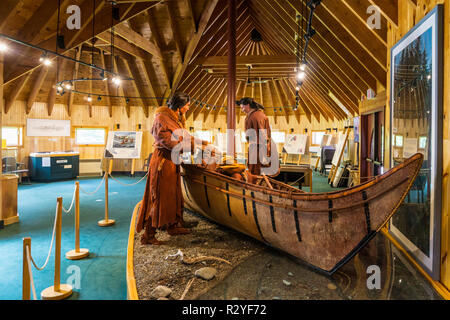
x=416 y=108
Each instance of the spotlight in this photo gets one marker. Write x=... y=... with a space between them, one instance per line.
x=297 y=88
x=99 y=98
x=127 y=100
x=3 y=47
x=301 y=75
x=59 y=88
x=116 y=81
x=303 y=66
x=89 y=99
x=68 y=86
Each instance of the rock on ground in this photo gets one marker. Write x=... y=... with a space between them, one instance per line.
x=206 y=273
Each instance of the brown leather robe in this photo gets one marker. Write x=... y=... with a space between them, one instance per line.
x=162 y=204
x=257 y=120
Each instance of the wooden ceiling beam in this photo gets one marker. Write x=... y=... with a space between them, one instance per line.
x=170 y=5
x=75 y=38
x=347 y=49
x=210 y=94
x=106 y=84
x=158 y=43
x=36 y=87
x=132 y=68
x=136 y=39
x=121 y=88
x=192 y=45
x=52 y=92
x=76 y=66
x=359 y=9
x=376 y=48
x=17 y=87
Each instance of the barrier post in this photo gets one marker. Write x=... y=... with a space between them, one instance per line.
x=106 y=222
x=58 y=291
x=78 y=253
x=26 y=270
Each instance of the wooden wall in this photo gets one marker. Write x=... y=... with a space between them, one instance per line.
x=408 y=16
x=100 y=117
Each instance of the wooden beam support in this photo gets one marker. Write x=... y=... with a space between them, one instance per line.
x=36 y=87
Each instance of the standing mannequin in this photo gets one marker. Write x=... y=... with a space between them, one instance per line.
x=162 y=204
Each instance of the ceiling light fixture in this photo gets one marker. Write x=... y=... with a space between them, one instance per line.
x=3 y=47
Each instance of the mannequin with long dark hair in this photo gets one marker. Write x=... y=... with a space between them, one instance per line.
x=162 y=204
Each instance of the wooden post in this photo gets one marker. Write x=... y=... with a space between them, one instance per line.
x=58 y=291
x=231 y=113
x=110 y=166
x=25 y=270
x=78 y=253
x=106 y=222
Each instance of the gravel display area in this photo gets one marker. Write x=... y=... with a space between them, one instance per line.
x=152 y=269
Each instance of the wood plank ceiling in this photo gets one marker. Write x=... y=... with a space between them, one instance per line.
x=182 y=45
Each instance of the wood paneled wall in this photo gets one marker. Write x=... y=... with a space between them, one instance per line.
x=100 y=118
x=408 y=15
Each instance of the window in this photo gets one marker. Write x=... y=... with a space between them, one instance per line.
x=203 y=135
x=279 y=136
x=90 y=136
x=13 y=136
x=422 y=142
x=316 y=137
x=398 y=140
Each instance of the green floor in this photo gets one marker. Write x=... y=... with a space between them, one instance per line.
x=103 y=273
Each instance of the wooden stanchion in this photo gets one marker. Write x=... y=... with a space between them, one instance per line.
x=58 y=291
x=106 y=222
x=26 y=271
x=78 y=253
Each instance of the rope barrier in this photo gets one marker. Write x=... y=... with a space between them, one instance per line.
x=31 y=273
x=128 y=185
x=51 y=246
x=71 y=205
x=98 y=187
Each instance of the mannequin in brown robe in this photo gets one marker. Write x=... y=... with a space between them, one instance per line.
x=257 y=120
x=162 y=204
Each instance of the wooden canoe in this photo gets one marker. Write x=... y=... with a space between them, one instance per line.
x=324 y=230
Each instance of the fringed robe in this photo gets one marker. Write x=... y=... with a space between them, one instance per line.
x=162 y=204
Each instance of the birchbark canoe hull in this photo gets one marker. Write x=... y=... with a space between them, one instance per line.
x=324 y=230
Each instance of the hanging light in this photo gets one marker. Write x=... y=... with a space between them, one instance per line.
x=89 y=99
x=116 y=81
x=68 y=86
x=303 y=66
x=59 y=88
x=301 y=75
x=3 y=47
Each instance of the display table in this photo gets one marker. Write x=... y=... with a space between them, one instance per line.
x=290 y=173
x=8 y=200
x=50 y=166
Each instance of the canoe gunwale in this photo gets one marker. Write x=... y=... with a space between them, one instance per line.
x=288 y=207
x=310 y=196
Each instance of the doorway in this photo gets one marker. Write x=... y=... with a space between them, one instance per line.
x=372 y=145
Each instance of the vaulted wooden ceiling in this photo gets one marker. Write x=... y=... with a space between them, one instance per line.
x=182 y=45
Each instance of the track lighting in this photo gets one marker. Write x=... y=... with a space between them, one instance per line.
x=99 y=98
x=89 y=99
x=301 y=75
x=68 y=86
x=45 y=60
x=303 y=66
x=59 y=88
x=3 y=47
x=116 y=81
